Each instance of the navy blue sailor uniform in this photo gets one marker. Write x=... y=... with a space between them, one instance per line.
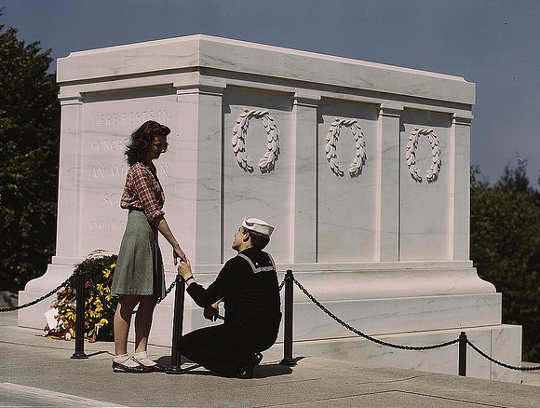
x=248 y=286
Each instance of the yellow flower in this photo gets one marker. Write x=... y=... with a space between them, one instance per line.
x=102 y=322
x=113 y=265
x=106 y=272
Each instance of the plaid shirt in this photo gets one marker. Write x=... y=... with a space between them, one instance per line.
x=143 y=191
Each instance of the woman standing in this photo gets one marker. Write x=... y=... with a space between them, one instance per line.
x=139 y=276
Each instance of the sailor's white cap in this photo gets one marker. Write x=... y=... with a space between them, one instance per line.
x=257 y=225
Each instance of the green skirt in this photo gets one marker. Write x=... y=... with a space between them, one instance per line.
x=139 y=268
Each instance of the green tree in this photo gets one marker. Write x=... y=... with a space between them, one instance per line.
x=29 y=145
x=505 y=248
x=516 y=181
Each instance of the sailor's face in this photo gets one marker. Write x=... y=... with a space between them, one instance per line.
x=238 y=239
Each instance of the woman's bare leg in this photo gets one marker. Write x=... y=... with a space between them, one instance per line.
x=122 y=320
x=143 y=322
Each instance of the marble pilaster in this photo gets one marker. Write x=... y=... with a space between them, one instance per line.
x=388 y=185
x=200 y=153
x=460 y=191
x=69 y=175
x=304 y=204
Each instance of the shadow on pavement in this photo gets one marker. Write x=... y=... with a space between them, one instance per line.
x=261 y=371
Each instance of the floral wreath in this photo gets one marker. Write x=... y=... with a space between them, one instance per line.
x=433 y=172
x=99 y=306
x=355 y=168
x=268 y=161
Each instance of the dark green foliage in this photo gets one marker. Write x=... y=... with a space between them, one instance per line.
x=505 y=248
x=29 y=144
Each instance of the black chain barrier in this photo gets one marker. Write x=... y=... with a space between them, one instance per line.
x=511 y=367
x=281 y=285
x=39 y=299
x=167 y=291
x=368 y=337
x=383 y=343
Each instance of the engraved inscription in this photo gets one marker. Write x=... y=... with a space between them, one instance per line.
x=110 y=172
x=111 y=200
x=132 y=117
x=105 y=119
x=120 y=171
x=106 y=225
x=107 y=145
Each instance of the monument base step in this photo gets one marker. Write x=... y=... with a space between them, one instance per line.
x=500 y=342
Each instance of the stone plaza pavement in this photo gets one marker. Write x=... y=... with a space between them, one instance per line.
x=38 y=371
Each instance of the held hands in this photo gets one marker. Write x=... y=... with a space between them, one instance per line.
x=178 y=253
x=184 y=269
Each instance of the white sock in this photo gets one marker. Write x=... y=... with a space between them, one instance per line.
x=143 y=359
x=125 y=360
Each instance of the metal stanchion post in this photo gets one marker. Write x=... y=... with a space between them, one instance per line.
x=462 y=370
x=80 y=305
x=178 y=321
x=288 y=335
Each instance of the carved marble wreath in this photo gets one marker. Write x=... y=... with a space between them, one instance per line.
x=268 y=161
x=433 y=172
x=355 y=168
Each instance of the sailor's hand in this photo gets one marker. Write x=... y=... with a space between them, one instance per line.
x=211 y=312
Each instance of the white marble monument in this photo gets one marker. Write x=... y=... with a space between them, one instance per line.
x=362 y=168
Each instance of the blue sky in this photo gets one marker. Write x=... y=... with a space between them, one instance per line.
x=493 y=43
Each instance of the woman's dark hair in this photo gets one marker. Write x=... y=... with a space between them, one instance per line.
x=141 y=141
x=258 y=240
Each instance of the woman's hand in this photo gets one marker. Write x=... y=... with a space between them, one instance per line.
x=178 y=253
x=184 y=269
x=163 y=227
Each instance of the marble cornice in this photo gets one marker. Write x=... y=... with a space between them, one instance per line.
x=464 y=120
x=390 y=110
x=70 y=99
x=201 y=51
x=199 y=84
x=306 y=99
